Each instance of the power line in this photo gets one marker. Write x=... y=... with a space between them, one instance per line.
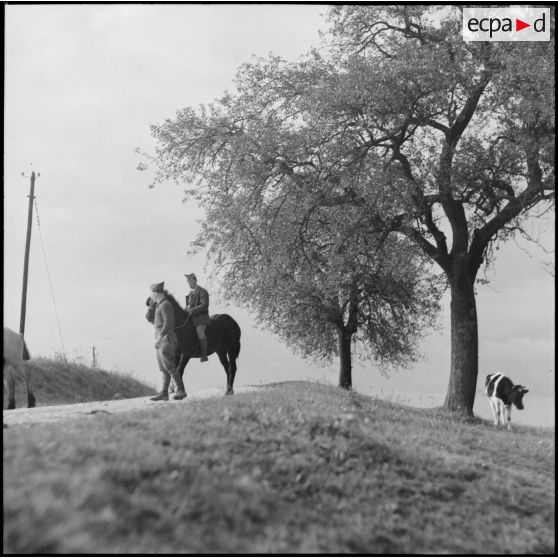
x=50 y=281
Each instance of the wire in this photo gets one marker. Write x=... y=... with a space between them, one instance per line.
x=50 y=281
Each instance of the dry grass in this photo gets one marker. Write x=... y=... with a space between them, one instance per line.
x=56 y=382
x=297 y=468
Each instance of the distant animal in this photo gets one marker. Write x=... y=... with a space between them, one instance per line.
x=223 y=338
x=15 y=352
x=502 y=393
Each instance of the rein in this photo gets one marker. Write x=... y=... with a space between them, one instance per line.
x=182 y=325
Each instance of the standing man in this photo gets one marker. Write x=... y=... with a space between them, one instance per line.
x=165 y=343
x=197 y=305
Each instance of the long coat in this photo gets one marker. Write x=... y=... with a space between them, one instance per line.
x=197 y=302
x=164 y=323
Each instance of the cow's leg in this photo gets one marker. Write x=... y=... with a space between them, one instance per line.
x=494 y=407
x=225 y=362
x=507 y=409
x=498 y=409
x=503 y=413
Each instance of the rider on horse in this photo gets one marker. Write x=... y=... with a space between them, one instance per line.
x=197 y=306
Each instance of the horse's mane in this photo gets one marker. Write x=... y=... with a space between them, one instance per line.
x=173 y=301
x=179 y=313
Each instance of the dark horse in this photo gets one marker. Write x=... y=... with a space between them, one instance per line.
x=223 y=338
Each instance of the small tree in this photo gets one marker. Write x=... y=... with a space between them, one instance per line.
x=323 y=281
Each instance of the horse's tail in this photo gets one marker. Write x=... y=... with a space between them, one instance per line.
x=233 y=335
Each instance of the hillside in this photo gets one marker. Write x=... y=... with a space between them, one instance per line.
x=56 y=382
x=294 y=468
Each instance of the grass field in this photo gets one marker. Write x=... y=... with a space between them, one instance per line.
x=56 y=382
x=294 y=468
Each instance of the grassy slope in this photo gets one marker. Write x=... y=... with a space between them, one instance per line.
x=296 y=468
x=56 y=382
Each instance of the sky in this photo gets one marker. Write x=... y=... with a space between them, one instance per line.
x=82 y=85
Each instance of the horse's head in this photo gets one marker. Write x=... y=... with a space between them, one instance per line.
x=150 y=316
x=180 y=316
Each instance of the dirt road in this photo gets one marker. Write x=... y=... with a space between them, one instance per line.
x=55 y=413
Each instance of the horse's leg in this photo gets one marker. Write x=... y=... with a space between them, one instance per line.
x=180 y=368
x=225 y=362
x=182 y=364
x=232 y=369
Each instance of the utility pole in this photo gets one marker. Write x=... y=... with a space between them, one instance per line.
x=94 y=363
x=27 y=247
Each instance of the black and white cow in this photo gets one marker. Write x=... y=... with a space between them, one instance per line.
x=502 y=393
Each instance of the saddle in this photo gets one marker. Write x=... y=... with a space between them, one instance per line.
x=193 y=350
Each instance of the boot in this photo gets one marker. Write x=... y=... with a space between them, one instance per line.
x=180 y=390
x=203 y=345
x=163 y=395
x=160 y=397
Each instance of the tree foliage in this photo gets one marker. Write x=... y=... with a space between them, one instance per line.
x=271 y=166
x=318 y=175
x=469 y=127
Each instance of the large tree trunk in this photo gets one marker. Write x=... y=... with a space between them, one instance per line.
x=464 y=338
x=345 y=369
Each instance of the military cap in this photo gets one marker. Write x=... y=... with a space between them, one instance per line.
x=158 y=287
x=190 y=276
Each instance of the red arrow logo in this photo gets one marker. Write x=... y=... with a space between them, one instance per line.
x=519 y=25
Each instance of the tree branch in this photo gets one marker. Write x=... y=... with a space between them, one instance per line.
x=431 y=123
x=454 y=209
x=529 y=197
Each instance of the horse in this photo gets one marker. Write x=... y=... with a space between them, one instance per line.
x=223 y=338
x=15 y=352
